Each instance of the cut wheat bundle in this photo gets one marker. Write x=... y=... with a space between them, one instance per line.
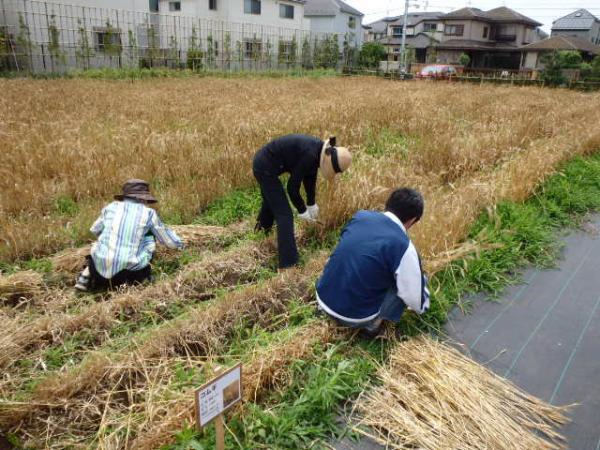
x=194 y=236
x=431 y=397
x=20 y=287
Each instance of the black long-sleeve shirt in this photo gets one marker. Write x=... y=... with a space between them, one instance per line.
x=296 y=154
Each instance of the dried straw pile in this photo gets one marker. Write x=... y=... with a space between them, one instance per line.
x=433 y=397
x=20 y=287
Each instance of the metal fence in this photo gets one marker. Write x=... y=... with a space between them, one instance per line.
x=40 y=36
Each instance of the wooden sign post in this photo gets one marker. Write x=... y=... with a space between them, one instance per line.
x=216 y=397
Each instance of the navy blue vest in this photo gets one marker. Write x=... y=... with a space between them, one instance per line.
x=362 y=267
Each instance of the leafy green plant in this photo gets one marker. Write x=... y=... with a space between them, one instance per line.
x=306 y=55
x=112 y=40
x=56 y=53
x=173 y=56
x=233 y=207
x=210 y=51
x=84 y=51
x=24 y=43
x=371 y=54
x=66 y=206
x=194 y=54
x=464 y=59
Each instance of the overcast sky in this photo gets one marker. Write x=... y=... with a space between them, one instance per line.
x=544 y=11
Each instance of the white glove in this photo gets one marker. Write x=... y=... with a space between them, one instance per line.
x=313 y=210
x=306 y=216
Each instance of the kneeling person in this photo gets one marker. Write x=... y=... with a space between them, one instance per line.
x=375 y=272
x=126 y=230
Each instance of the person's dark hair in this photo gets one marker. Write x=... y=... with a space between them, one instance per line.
x=406 y=204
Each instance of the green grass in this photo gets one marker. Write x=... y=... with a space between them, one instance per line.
x=387 y=142
x=231 y=208
x=134 y=73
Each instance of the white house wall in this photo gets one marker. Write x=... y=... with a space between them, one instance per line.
x=233 y=11
x=48 y=21
x=338 y=24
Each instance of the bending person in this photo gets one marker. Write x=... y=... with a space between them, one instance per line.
x=375 y=272
x=126 y=231
x=301 y=156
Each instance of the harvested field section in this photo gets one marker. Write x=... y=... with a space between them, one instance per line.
x=204 y=332
x=99 y=322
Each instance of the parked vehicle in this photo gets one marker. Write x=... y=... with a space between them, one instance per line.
x=437 y=71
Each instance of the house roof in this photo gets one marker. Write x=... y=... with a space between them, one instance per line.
x=581 y=19
x=415 y=18
x=345 y=7
x=504 y=14
x=467 y=44
x=329 y=8
x=564 y=43
x=420 y=40
x=465 y=13
x=501 y=14
x=378 y=27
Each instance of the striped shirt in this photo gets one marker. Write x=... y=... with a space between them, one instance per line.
x=126 y=233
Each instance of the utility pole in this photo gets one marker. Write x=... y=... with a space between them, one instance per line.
x=403 y=45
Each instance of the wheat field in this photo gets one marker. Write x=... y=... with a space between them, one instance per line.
x=81 y=372
x=68 y=145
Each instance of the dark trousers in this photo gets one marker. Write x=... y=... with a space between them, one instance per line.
x=98 y=282
x=276 y=207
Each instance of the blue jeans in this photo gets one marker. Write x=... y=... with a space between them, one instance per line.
x=391 y=309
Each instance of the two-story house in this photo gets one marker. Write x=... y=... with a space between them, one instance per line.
x=423 y=31
x=580 y=24
x=335 y=16
x=376 y=31
x=492 y=39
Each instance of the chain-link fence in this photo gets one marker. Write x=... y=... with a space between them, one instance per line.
x=39 y=36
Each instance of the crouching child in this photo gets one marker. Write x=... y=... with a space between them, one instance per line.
x=127 y=230
x=375 y=273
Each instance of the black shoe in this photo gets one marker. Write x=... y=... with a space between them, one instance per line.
x=258 y=228
x=370 y=333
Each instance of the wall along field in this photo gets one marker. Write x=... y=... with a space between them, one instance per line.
x=67 y=146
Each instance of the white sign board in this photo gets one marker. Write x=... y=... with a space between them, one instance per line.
x=218 y=395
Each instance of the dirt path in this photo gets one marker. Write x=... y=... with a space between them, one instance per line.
x=544 y=334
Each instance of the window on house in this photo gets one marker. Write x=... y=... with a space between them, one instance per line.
x=430 y=26
x=506 y=33
x=396 y=31
x=285 y=50
x=286 y=11
x=174 y=6
x=252 y=49
x=212 y=5
x=485 y=32
x=252 y=6
x=153 y=4
x=107 y=39
x=352 y=22
x=454 y=30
